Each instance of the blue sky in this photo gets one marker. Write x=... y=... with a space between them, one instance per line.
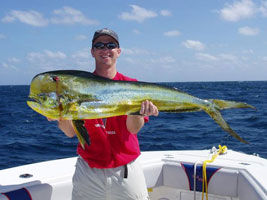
x=161 y=40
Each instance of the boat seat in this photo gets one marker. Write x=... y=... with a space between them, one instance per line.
x=39 y=191
x=222 y=182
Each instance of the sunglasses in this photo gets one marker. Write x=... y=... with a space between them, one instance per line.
x=101 y=45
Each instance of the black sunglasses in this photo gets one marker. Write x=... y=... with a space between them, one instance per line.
x=101 y=45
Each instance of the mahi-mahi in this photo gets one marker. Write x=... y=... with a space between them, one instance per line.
x=78 y=95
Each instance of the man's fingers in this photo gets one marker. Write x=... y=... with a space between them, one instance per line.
x=154 y=110
x=142 y=110
x=148 y=108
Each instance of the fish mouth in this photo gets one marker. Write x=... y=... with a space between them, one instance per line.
x=33 y=102
x=33 y=99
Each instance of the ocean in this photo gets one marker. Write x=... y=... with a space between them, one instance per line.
x=27 y=137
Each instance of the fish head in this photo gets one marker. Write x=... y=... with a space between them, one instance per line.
x=47 y=95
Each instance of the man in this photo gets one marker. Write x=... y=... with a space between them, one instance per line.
x=107 y=168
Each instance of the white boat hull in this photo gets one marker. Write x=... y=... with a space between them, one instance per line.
x=234 y=176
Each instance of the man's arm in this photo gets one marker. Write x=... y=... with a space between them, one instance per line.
x=65 y=126
x=134 y=123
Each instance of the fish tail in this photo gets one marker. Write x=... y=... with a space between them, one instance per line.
x=81 y=132
x=222 y=104
x=215 y=114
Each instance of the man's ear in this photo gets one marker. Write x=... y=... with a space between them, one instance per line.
x=92 y=52
x=119 y=51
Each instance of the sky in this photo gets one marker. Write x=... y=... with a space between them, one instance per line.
x=161 y=40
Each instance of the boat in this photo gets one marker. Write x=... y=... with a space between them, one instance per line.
x=170 y=175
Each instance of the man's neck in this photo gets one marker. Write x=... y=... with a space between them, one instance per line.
x=106 y=72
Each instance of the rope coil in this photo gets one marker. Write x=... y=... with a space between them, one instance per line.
x=221 y=150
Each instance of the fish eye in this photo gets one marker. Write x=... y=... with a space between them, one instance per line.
x=42 y=96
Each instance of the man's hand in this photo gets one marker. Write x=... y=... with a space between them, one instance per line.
x=65 y=126
x=148 y=109
x=135 y=122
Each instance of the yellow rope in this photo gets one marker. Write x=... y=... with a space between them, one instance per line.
x=221 y=150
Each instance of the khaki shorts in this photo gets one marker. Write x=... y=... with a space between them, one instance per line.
x=109 y=184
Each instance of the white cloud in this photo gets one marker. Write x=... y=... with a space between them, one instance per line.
x=129 y=60
x=192 y=44
x=263 y=8
x=165 y=13
x=65 y=15
x=206 y=57
x=37 y=56
x=33 y=56
x=13 y=60
x=227 y=57
x=238 y=10
x=135 y=51
x=55 y=55
x=137 y=32
x=172 y=33
x=248 y=31
x=31 y=17
x=164 y=59
x=8 y=66
x=247 y=51
x=81 y=37
x=81 y=59
x=2 y=36
x=138 y=14
x=220 y=58
x=82 y=54
x=68 y=15
x=264 y=58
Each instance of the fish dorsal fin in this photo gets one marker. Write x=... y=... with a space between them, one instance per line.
x=77 y=73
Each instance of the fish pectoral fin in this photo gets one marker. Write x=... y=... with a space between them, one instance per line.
x=217 y=117
x=81 y=132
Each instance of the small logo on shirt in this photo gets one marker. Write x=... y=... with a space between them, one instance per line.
x=102 y=126
x=111 y=132
x=99 y=125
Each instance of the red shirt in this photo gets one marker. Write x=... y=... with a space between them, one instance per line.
x=111 y=145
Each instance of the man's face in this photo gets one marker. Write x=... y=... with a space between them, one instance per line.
x=105 y=57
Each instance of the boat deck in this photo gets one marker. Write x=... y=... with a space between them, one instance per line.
x=168 y=174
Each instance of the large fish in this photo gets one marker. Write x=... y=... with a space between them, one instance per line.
x=77 y=95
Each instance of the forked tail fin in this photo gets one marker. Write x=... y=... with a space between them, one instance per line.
x=214 y=113
x=222 y=104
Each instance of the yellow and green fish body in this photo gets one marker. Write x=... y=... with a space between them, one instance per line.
x=76 y=95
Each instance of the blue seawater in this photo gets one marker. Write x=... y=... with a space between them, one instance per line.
x=27 y=137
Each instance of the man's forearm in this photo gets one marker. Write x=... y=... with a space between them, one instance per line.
x=134 y=123
x=67 y=127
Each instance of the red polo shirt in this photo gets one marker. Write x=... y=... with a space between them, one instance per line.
x=111 y=145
